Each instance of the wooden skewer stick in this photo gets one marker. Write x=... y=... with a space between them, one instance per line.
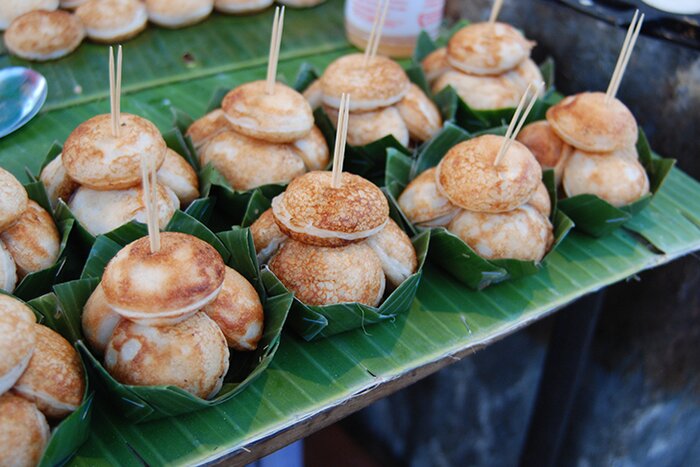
x=275 y=43
x=375 y=36
x=340 y=140
x=118 y=92
x=626 y=51
x=115 y=89
x=518 y=120
x=495 y=10
x=150 y=200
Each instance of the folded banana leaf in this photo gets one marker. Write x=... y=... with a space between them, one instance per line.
x=316 y=322
x=597 y=217
x=448 y=250
x=144 y=403
x=455 y=109
x=72 y=431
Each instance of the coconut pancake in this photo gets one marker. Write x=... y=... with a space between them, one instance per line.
x=178 y=13
x=191 y=355
x=12 y=9
x=205 y=128
x=396 y=253
x=241 y=6
x=587 y=122
x=57 y=182
x=481 y=92
x=24 y=432
x=281 y=117
x=13 y=199
x=468 y=178
x=313 y=149
x=549 y=150
x=379 y=84
x=314 y=212
x=44 y=35
x=267 y=236
x=324 y=276
x=487 y=48
x=8 y=270
x=422 y=202
x=179 y=176
x=165 y=287
x=17 y=340
x=98 y=320
x=435 y=64
x=112 y=21
x=420 y=114
x=368 y=127
x=97 y=159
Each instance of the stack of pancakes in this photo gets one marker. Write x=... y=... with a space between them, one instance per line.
x=500 y=210
x=590 y=144
x=41 y=381
x=29 y=239
x=99 y=174
x=487 y=64
x=168 y=318
x=333 y=245
x=384 y=101
x=258 y=139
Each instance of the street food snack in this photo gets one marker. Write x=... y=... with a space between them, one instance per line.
x=423 y=204
x=549 y=150
x=13 y=201
x=241 y=6
x=112 y=20
x=24 y=432
x=98 y=320
x=12 y=9
x=17 y=341
x=57 y=182
x=395 y=252
x=44 y=35
x=179 y=13
x=176 y=174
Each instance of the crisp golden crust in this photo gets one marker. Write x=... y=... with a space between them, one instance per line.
x=179 y=176
x=481 y=92
x=10 y=305
x=367 y=127
x=313 y=212
x=95 y=158
x=313 y=149
x=436 y=64
x=267 y=236
x=17 y=341
x=191 y=355
x=420 y=114
x=396 y=253
x=205 y=128
x=169 y=285
x=281 y=117
x=540 y=200
x=248 y=163
x=238 y=312
x=314 y=94
x=54 y=379
x=178 y=13
x=33 y=241
x=549 y=150
x=24 y=432
x=103 y=211
x=8 y=270
x=98 y=320
x=618 y=179
x=13 y=199
x=380 y=83
x=241 y=6
x=468 y=178
x=487 y=48
x=57 y=182
x=44 y=35
x=587 y=122
x=112 y=20
x=325 y=276
x=12 y=9
x=522 y=233
x=422 y=202
x=524 y=74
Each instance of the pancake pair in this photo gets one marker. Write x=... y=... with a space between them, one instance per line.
x=29 y=239
x=258 y=139
x=333 y=245
x=501 y=211
x=590 y=143
x=41 y=381
x=487 y=64
x=168 y=318
x=384 y=102
x=99 y=175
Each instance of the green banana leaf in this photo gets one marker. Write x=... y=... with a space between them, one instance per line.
x=597 y=217
x=72 y=431
x=448 y=250
x=316 y=322
x=145 y=403
x=455 y=109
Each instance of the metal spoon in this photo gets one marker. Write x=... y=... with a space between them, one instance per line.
x=22 y=93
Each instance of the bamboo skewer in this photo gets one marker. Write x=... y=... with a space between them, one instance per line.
x=518 y=120
x=150 y=200
x=625 y=53
x=375 y=36
x=495 y=10
x=341 y=137
x=115 y=89
x=275 y=43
